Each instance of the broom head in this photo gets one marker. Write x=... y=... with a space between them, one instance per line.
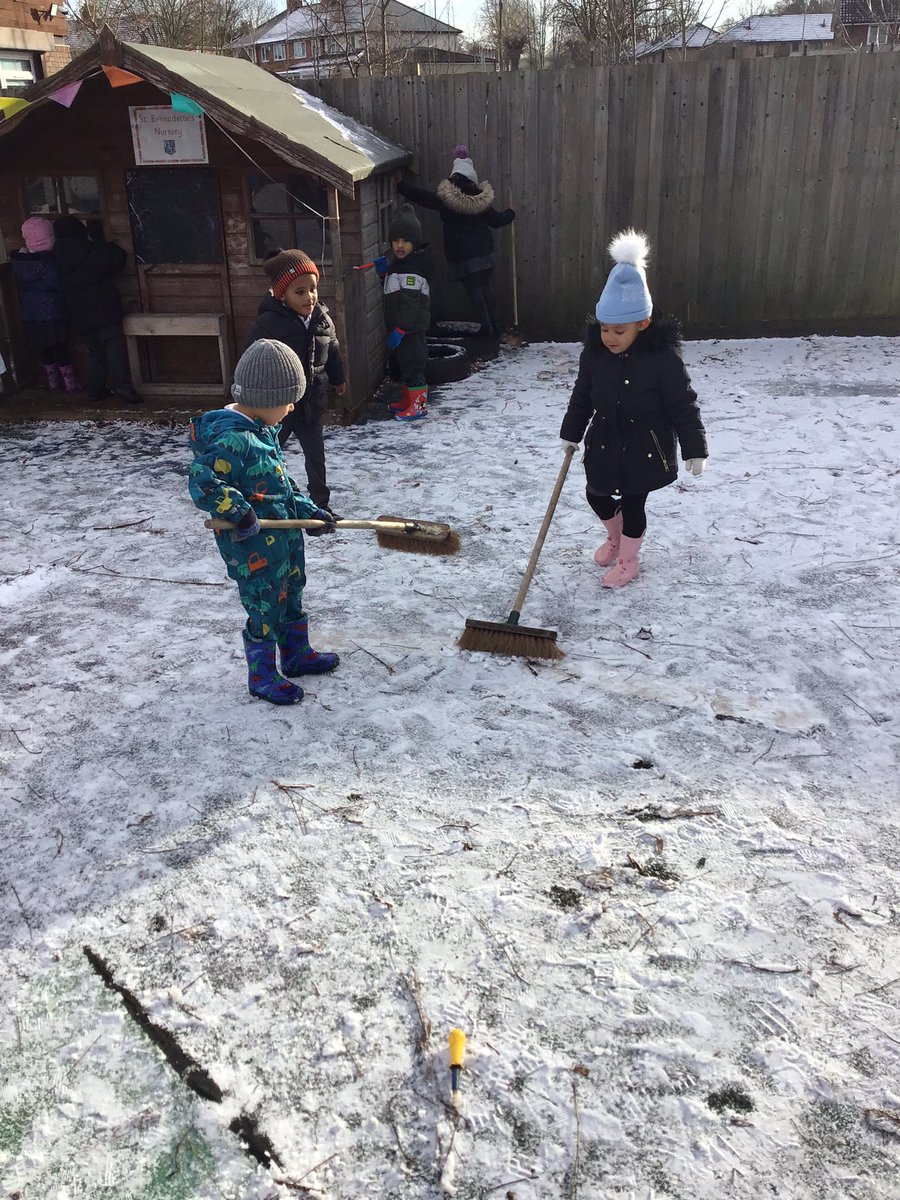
x=510 y=639
x=419 y=537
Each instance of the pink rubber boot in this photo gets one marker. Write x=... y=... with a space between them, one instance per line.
x=606 y=554
x=627 y=564
x=70 y=383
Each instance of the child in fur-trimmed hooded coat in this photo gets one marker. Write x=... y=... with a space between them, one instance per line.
x=466 y=207
x=634 y=397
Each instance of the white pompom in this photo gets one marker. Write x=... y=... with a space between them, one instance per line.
x=630 y=247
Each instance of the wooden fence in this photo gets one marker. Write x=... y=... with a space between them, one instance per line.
x=769 y=188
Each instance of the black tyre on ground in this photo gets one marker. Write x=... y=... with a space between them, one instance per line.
x=446 y=363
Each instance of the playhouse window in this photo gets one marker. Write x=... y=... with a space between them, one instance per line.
x=285 y=215
x=54 y=195
x=385 y=192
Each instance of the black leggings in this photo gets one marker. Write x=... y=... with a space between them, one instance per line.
x=56 y=355
x=634 y=520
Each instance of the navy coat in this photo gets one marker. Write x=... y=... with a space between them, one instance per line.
x=634 y=406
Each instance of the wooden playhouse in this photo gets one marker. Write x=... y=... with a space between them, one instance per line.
x=198 y=165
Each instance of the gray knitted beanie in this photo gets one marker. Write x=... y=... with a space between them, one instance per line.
x=268 y=375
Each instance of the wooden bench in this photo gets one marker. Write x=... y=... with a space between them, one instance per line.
x=211 y=325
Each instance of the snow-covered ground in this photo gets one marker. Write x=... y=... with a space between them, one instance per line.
x=656 y=883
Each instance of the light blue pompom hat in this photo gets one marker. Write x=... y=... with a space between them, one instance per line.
x=626 y=296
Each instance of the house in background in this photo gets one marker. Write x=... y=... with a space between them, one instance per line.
x=680 y=47
x=874 y=24
x=334 y=37
x=33 y=43
x=776 y=37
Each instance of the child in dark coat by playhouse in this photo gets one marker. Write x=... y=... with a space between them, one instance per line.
x=634 y=397
x=88 y=265
x=42 y=304
x=466 y=207
x=291 y=312
x=407 y=311
x=238 y=475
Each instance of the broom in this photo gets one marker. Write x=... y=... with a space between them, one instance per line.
x=513 y=336
x=509 y=637
x=393 y=533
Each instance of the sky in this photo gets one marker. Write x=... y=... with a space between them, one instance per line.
x=464 y=13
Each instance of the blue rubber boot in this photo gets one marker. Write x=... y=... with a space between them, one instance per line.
x=298 y=657
x=263 y=680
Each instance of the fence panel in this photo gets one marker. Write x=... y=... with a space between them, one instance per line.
x=769 y=188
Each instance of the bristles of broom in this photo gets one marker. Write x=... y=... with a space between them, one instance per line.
x=510 y=643
x=416 y=545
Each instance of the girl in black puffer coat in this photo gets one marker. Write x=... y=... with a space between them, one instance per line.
x=467 y=211
x=634 y=397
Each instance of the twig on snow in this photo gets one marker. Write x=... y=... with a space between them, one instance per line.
x=414 y=988
x=505 y=870
x=107 y=572
x=59 y=842
x=880 y=987
x=861 y=709
x=392 y=1121
x=387 y=666
x=737 y=962
x=124 y=525
x=853 y=640
x=647 y=931
x=23 y=912
x=573 y=1186
x=15 y=734
x=759 y=757
x=510 y=1182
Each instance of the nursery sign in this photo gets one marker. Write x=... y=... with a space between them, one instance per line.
x=163 y=137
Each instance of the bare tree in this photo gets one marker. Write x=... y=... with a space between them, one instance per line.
x=508 y=25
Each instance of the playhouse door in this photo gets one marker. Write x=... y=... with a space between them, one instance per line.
x=176 y=224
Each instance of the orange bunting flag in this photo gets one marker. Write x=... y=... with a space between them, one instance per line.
x=118 y=77
x=10 y=105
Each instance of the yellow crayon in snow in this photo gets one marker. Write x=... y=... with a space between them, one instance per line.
x=457 y=1040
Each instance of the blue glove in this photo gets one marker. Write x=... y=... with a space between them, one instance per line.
x=247 y=526
x=381 y=264
x=395 y=337
x=323 y=514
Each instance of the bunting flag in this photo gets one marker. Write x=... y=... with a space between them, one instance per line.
x=118 y=77
x=66 y=94
x=10 y=105
x=182 y=104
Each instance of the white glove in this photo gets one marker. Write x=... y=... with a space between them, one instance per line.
x=695 y=465
x=566 y=444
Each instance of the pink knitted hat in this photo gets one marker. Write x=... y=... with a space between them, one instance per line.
x=38 y=235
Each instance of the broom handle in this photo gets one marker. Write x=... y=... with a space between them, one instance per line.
x=515 y=287
x=539 y=544
x=312 y=523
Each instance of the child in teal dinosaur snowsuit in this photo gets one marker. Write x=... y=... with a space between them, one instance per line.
x=238 y=474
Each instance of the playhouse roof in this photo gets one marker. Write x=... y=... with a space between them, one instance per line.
x=246 y=101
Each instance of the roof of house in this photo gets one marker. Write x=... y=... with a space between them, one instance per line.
x=246 y=101
x=353 y=17
x=868 y=12
x=695 y=36
x=803 y=27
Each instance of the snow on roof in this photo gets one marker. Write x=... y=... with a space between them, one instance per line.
x=354 y=17
x=695 y=36
x=808 y=27
x=250 y=102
